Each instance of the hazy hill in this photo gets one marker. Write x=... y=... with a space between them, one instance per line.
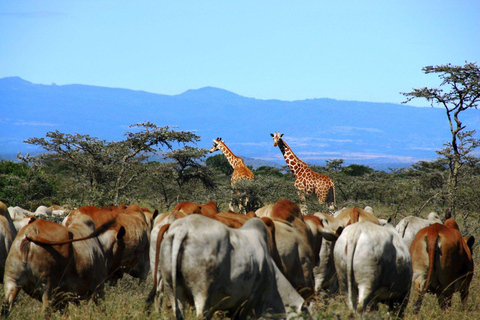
x=316 y=129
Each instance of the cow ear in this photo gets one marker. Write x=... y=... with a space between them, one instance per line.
x=389 y=220
x=470 y=243
x=271 y=134
x=155 y=214
x=329 y=236
x=121 y=233
x=281 y=136
x=339 y=231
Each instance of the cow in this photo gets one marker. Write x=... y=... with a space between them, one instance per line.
x=59 y=211
x=161 y=220
x=19 y=213
x=282 y=209
x=442 y=263
x=213 y=267
x=190 y=207
x=373 y=265
x=20 y=217
x=135 y=260
x=230 y=219
x=20 y=223
x=133 y=208
x=409 y=226
x=368 y=209
x=7 y=235
x=325 y=273
x=295 y=244
x=43 y=211
x=318 y=232
x=48 y=261
x=298 y=243
x=160 y=225
x=355 y=214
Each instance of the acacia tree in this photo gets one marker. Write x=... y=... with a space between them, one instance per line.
x=462 y=93
x=188 y=166
x=109 y=167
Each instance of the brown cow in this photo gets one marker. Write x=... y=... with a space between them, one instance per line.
x=135 y=260
x=319 y=232
x=442 y=262
x=190 y=207
x=355 y=214
x=47 y=260
x=7 y=235
x=297 y=245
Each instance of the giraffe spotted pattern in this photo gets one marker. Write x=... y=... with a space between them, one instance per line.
x=306 y=180
x=240 y=170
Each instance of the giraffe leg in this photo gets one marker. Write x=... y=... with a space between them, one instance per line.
x=303 y=202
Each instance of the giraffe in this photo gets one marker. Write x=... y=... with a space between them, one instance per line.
x=306 y=180
x=240 y=170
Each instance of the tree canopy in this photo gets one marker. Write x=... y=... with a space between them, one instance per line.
x=106 y=168
x=462 y=92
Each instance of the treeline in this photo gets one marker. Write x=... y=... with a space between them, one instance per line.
x=80 y=170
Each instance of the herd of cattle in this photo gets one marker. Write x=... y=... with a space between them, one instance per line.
x=266 y=263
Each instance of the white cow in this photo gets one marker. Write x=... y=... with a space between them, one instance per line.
x=19 y=213
x=156 y=295
x=325 y=273
x=373 y=265
x=368 y=209
x=43 y=210
x=215 y=267
x=409 y=226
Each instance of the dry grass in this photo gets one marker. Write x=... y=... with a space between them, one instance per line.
x=127 y=301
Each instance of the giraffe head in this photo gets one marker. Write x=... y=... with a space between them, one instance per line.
x=276 y=137
x=216 y=144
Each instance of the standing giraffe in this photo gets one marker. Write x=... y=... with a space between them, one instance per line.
x=240 y=170
x=306 y=180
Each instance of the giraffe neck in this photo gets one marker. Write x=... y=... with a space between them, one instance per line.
x=293 y=162
x=232 y=159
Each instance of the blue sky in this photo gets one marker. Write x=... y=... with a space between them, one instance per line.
x=288 y=50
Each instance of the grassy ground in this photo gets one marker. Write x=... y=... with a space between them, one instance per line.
x=127 y=301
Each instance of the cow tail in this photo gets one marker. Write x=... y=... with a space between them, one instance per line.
x=24 y=250
x=29 y=233
x=432 y=240
x=153 y=293
x=350 y=253
x=178 y=239
x=404 y=230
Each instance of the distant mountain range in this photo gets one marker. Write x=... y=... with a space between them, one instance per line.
x=367 y=133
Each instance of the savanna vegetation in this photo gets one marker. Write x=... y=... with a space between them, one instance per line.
x=158 y=167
